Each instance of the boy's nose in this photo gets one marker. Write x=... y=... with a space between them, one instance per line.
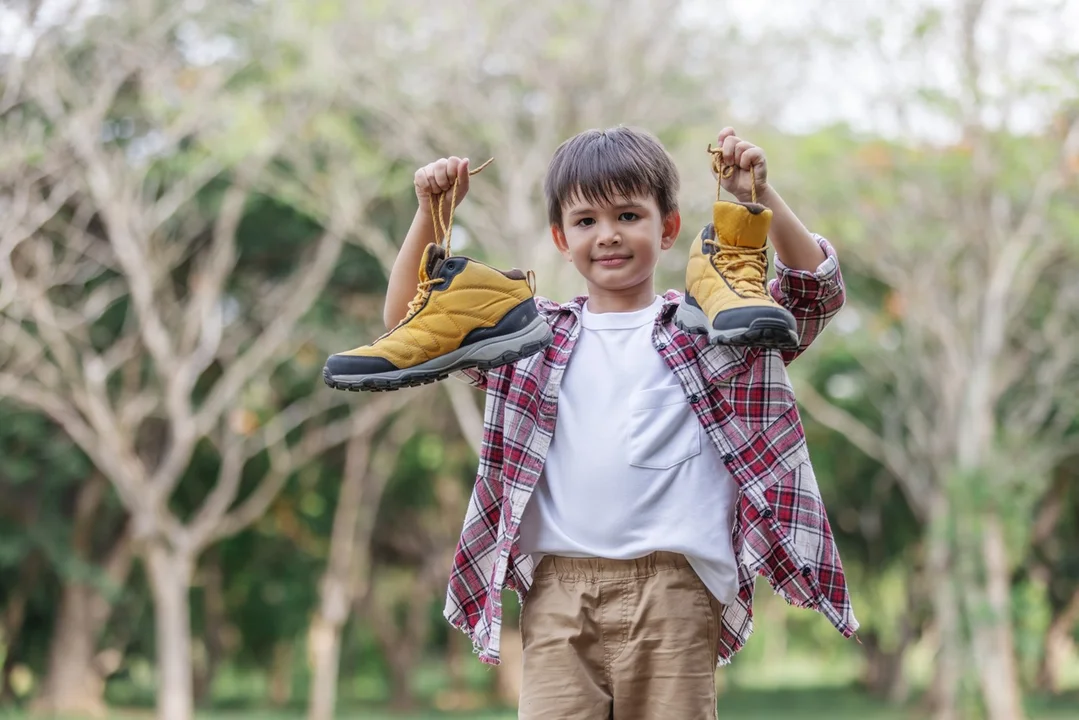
x=609 y=236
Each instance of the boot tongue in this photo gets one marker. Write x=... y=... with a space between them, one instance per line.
x=431 y=264
x=741 y=224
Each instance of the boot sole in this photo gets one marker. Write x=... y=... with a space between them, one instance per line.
x=767 y=333
x=533 y=339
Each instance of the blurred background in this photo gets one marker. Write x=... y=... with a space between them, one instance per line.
x=200 y=200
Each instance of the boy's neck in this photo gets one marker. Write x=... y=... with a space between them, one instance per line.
x=617 y=301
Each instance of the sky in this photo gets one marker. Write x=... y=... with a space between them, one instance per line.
x=856 y=80
x=852 y=84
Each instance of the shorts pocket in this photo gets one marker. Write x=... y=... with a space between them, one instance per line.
x=663 y=431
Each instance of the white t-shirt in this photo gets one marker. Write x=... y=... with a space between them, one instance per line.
x=630 y=470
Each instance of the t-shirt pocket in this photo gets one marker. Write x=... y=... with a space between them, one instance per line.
x=663 y=431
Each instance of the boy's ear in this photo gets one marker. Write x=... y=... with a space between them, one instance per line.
x=559 y=238
x=672 y=225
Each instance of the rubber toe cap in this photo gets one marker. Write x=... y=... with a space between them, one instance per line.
x=341 y=365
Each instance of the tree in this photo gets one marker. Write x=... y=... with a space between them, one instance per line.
x=412 y=547
x=77 y=669
x=137 y=137
x=68 y=527
x=967 y=358
x=1052 y=565
x=486 y=81
x=344 y=584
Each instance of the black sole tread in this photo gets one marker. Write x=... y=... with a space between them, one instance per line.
x=762 y=334
x=376 y=384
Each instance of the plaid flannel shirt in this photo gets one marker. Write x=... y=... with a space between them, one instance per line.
x=745 y=403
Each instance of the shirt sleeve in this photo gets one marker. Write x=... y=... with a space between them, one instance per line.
x=813 y=297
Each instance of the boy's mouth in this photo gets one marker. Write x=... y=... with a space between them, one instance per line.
x=612 y=260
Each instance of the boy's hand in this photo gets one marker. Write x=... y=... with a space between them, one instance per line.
x=437 y=178
x=742 y=155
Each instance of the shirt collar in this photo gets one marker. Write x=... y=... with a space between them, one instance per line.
x=671 y=299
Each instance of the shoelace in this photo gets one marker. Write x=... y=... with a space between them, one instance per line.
x=723 y=170
x=734 y=259
x=422 y=291
x=443 y=231
x=444 y=226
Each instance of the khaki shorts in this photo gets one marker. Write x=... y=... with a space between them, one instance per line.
x=621 y=639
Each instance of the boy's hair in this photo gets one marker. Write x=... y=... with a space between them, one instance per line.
x=596 y=165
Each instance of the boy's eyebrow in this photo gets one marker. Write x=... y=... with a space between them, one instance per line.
x=580 y=210
x=588 y=209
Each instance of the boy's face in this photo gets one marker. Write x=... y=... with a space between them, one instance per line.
x=615 y=245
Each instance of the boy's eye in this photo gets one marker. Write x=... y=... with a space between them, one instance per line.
x=628 y=216
x=586 y=221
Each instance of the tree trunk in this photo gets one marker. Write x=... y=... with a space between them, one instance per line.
x=884 y=675
x=993 y=643
x=74 y=681
x=324 y=648
x=337 y=588
x=281 y=674
x=1058 y=641
x=214 y=620
x=344 y=581
x=14 y=616
x=170 y=584
x=401 y=643
x=402 y=661
x=73 y=685
x=944 y=694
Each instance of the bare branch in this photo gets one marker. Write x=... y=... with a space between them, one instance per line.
x=208 y=280
x=275 y=432
x=309 y=282
x=317 y=441
x=862 y=437
x=51 y=404
x=224 y=491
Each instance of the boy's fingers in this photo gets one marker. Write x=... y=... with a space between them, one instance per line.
x=729 y=144
x=723 y=134
x=440 y=175
x=749 y=155
x=453 y=167
x=741 y=151
x=420 y=179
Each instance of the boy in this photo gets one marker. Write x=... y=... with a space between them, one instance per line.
x=634 y=477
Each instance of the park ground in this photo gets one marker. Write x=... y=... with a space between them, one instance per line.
x=802 y=704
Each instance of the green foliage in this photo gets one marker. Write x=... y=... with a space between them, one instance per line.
x=852 y=187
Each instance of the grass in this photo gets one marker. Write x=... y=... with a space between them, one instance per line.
x=800 y=704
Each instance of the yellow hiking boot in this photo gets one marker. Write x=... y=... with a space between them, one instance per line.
x=465 y=315
x=726 y=294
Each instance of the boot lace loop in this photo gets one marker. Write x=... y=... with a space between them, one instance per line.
x=745 y=269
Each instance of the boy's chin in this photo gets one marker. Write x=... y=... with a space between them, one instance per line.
x=616 y=281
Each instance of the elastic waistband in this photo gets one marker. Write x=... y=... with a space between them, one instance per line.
x=599 y=569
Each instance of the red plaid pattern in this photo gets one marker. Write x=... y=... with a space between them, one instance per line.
x=745 y=403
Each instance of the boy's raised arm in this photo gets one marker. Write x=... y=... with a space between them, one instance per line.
x=793 y=243
x=808 y=282
x=434 y=179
